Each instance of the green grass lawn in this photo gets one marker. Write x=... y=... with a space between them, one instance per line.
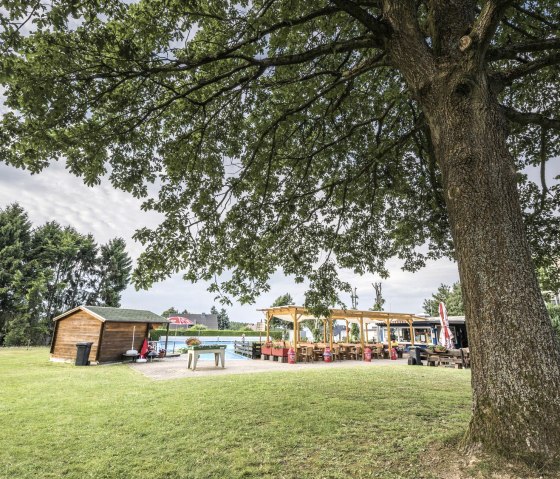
x=62 y=421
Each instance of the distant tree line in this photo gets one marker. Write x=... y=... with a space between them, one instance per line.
x=49 y=269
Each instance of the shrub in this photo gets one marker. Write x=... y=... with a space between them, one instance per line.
x=199 y=327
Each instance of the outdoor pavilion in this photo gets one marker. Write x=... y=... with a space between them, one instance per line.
x=296 y=314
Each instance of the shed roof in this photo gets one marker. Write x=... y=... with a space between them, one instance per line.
x=117 y=315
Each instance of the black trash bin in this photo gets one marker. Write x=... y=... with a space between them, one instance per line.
x=414 y=357
x=82 y=353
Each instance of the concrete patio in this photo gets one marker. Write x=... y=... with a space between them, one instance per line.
x=176 y=368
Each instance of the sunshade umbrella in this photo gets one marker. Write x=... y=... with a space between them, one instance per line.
x=180 y=320
x=446 y=336
x=144 y=349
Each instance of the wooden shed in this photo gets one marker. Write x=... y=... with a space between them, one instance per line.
x=111 y=331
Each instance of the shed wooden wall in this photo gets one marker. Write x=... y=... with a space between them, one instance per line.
x=79 y=326
x=117 y=339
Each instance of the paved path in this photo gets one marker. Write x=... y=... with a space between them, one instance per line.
x=174 y=368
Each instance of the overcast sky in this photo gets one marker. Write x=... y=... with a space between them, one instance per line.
x=105 y=212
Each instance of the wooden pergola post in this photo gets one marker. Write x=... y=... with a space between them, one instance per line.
x=325 y=331
x=347 y=332
x=367 y=339
x=267 y=326
x=389 y=335
x=296 y=331
x=330 y=334
x=166 y=336
x=362 y=334
x=411 y=332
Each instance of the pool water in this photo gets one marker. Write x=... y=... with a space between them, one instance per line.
x=176 y=345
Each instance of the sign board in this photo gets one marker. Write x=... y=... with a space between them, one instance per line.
x=260 y=326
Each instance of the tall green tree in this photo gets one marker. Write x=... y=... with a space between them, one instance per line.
x=170 y=312
x=67 y=260
x=451 y=296
x=51 y=269
x=223 y=318
x=379 y=300
x=283 y=300
x=112 y=273
x=15 y=237
x=314 y=135
x=355 y=332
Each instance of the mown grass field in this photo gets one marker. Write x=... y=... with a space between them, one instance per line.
x=62 y=421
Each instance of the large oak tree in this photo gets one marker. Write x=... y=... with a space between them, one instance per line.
x=312 y=135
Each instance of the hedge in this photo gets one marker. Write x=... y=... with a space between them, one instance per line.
x=158 y=333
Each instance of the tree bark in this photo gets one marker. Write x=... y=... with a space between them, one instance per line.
x=515 y=352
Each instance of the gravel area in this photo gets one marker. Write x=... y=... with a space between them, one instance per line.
x=175 y=368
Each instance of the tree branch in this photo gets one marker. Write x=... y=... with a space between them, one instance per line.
x=511 y=51
x=543 y=158
x=407 y=47
x=286 y=23
x=485 y=26
x=506 y=78
x=537 y=16
x=379 y=29
x=523 y=118
x=280 y=60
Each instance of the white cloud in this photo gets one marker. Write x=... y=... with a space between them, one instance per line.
x=56 y=195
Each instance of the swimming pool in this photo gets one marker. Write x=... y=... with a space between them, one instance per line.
x=173 y=345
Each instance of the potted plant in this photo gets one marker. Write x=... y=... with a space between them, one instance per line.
x=266 y=348
x=440 y=349
x=279 y=349
x=193 y=342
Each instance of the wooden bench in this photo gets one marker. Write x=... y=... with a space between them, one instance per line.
x=452 y=358
x=446 y=360
x=432 y=360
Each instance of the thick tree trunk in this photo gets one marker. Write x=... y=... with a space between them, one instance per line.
x=515 y=353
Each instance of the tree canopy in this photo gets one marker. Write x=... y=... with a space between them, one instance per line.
x=451 y=296
x=318 y=135
x=223 y=317
x=49 y=269
x=281 y=134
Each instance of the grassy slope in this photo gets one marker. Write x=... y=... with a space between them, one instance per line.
x=110 y=422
